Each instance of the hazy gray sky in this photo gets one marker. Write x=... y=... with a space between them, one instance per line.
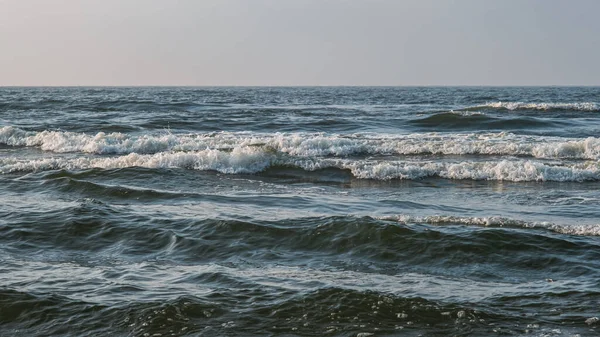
x=299 y=42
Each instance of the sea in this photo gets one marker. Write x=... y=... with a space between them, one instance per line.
x=300 y=211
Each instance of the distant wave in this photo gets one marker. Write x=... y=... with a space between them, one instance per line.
x=452 y=117
x=549 y=106
x=475 y=120
x=591 y=230
x=309 y=144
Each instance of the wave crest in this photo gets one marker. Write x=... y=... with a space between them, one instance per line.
x=310 y=144
x=494 y=221
x=548 y=106
x=252 y=160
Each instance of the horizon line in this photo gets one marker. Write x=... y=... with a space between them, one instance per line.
x=307 y=86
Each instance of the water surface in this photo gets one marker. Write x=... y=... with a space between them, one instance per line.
x=299 y=211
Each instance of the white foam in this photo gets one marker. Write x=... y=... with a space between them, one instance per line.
x=445 y=144
x=507 y=170
x=582 y=230
x=254 y=159
x=582 y=106
x=240 y=160
x=100 y=143
x=310 y=144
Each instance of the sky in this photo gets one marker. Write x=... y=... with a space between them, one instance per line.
x=299 y=42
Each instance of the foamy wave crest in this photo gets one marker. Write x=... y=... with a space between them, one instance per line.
x=505 y=170
x=251 y=159
x=583 y=106
x=101 y=143
x=590 y=230
x=498 y=144
x=240 y=160
x=310 y=144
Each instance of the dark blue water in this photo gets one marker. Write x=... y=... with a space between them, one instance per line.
x=299 y=211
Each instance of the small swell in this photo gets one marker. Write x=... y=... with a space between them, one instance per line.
x=477 y=121
x=115 y=191
x=452 y=118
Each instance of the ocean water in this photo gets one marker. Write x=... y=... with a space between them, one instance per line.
x=300 y=211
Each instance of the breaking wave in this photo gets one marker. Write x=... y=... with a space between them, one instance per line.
x=309 y=144
x=252 y=160
x=549 y=106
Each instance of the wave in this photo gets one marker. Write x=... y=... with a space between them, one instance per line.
x=473 y=120
x=309 y=144
x=453 y=118
x=504 y=170
x=580 y=230
x=252 y=160
x=328 y=311
x=100 y=143
x=549 y=106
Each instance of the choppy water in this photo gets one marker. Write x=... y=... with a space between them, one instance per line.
x=299 y=211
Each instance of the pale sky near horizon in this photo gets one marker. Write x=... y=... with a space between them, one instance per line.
x=299 y=42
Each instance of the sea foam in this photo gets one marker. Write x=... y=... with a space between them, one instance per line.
x=581 y=106
x=252 y=159
x=496 y=221
x=310 y=144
